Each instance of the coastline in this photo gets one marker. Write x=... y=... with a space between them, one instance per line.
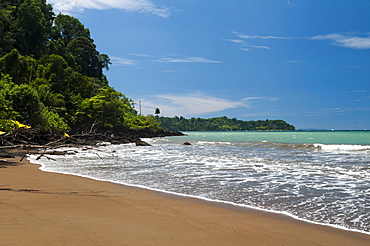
x=42 y=208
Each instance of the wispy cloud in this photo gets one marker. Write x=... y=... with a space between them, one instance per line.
x=192 y=59
x=117 y=61
x=252 y=98
x=245 y=46
x=141 y=55
x=141 y=6
x=341 y=40
x=353 y=91
x=244 y=36
x=266 y=114
x=237 y=41
x=261 y=98
x=193 y=104
x=169 y=71
x=346 y=41
x=260 y=47
x=341 y=110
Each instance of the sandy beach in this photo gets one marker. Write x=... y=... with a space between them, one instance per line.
x=40 y=208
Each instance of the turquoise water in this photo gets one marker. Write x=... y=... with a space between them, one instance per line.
x=297 y=137
x=322 y=177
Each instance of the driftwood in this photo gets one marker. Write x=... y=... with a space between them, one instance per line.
x=22 y=146
x=35 y=139
x=24 y=155
x=43 y=155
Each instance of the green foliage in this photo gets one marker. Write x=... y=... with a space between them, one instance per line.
x=71 y=40
x=53 y=122
x=50 y=99
x=140 y=122
x=67 y=28
x=51 y=73
x=20 y=68
x=33 y=22
x=6 y=125
x=6 y=35
x=6 y=110
x=222 y=124
x=107 y=109
x=25 y=101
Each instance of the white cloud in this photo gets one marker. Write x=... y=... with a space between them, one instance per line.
x=141 y=6
x=341 y=110
x=252 y=98
x=346 y=41
x=187 y=60
x=188 y=105
x=117 y=61
x=260 y=47
x=244 y=46
x=194 y=104
x=243 y=36
x=238 y=41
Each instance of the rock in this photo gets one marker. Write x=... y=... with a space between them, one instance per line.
x=141 y=143
x=186 y=143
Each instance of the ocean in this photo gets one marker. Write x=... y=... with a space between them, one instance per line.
x=317 y=176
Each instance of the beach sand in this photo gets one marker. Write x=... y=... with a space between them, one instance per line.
x=41 y=208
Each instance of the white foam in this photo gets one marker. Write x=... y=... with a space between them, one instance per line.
x=342 y=147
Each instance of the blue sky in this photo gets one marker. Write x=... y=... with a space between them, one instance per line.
x=303 y=61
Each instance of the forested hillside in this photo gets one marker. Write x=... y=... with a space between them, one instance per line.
x=222 y=124
x=52 y=74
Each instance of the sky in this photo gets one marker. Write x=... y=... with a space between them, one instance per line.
x=303 y=61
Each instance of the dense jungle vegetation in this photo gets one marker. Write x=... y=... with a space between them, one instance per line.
x=222 y=124
x=52 y=74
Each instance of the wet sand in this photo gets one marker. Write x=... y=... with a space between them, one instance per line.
x=40 y=208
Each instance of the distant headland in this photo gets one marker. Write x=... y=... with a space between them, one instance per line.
x=222 y=124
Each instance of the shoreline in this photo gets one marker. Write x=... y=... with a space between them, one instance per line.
x=220 y=203
x=46 y=208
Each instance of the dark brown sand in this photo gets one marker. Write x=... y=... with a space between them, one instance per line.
x=40 y=208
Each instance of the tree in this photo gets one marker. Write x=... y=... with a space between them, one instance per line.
x=157 y=112
x=107 y=109
x=6 y=35
x=25 y=101
x=221 y=124
x=33 y=23
x=69 y=34
x=67 y=28
x=20 y=68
